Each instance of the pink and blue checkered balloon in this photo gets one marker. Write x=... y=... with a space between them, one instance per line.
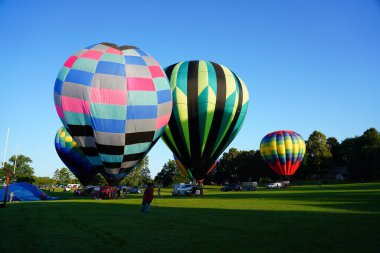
x=115 y=102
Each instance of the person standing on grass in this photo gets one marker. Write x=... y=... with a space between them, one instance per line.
x=11 y=196
x=147 y=198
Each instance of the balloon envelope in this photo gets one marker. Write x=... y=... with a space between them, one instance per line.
x=283 y=151
x=182 y=168
x=73 y=158
x=115 y=102
x=188 y=173
x=209 y=105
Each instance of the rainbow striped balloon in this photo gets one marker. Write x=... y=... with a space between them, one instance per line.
x=283 y=151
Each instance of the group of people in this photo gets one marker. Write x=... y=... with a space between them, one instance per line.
x=106 y=192
x=197 y=190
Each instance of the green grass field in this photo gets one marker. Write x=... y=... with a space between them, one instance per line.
x=333 y=218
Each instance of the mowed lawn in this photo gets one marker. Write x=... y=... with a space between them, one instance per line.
x=331 y=218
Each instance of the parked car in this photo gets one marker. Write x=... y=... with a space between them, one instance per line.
x=230 y=187
x=182 y=189
x=135 y=190
x=249 y=186
x=274 y=185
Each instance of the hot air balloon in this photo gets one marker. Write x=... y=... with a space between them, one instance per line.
x=73 y=158
x=209 y=106
x=283 y=151
x=182 y=168
x=187 y=172
x=115 y=102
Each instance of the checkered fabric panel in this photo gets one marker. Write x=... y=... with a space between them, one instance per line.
x=115 y=101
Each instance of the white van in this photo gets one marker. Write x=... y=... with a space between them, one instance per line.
x=182 y=189
x=249 y=186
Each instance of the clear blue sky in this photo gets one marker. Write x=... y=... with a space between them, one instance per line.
x=309 y=65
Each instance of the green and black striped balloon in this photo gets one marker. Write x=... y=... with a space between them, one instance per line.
x=209 y=106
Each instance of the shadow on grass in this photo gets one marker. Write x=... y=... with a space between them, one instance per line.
x=114 y=227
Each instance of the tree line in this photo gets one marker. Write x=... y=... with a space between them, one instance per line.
x=356 y=158
x=24 y=172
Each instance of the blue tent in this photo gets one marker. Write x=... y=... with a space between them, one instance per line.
x=24 y=192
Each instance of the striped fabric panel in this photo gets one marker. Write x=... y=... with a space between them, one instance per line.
x=207 y=100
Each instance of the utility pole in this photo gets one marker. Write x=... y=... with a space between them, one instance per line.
x=8 y=172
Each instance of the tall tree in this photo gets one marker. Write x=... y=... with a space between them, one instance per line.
x=165 y=176
x=179 y=176
x=73 y=178
x=139 y=175
x=364 y=158
x=24 y=172
x=98 y=180
x=62 y=176
x=229 y=166
x=44 y=181
x=334 y=147
x=318 y=151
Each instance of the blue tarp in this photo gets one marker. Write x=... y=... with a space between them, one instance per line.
x=24 y=192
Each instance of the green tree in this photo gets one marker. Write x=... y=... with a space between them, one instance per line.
x=139 y=175
x=98 y=180
x=165 y=176
x=24 y=172
x=3 y=173
x=179 y=176
x=62 y=176
x=228 y=167
x=73 y=178
x=364 y=155
x=44 y=181
x=304 y=171
x=318 y=152
x=334 y=147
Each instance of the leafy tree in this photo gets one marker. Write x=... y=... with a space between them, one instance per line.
x=98 y=180
x=62 y=176
x=304 y=171
x=228 y=167
x=318 y=152
x=179 y=176
x=44 y=181
x=3 y=173
x=73 y=178
x=165 y=176
x=364 y=155
x=24 y=172
x=335 y=149
x=346 y=149
x=139 y=175
x=240 y=166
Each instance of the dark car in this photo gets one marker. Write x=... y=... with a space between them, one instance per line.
x=230 y=187
x=135 y=190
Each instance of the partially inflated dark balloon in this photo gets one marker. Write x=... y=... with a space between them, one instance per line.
x=73 y=158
